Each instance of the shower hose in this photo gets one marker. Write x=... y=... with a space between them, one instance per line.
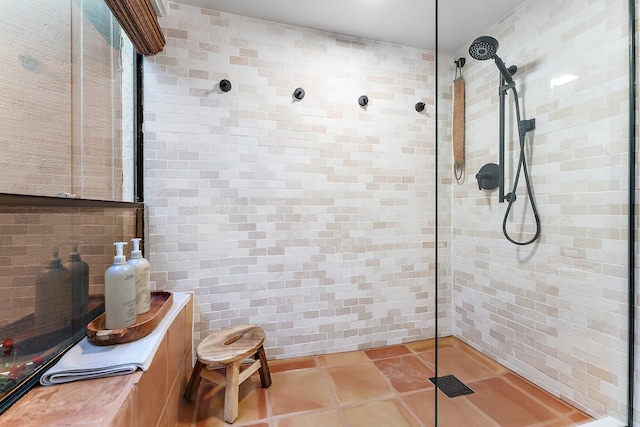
x=522 y=165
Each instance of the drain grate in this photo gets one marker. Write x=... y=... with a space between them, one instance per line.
x=451 y=386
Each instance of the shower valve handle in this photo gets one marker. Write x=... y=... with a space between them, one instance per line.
x=488 y=177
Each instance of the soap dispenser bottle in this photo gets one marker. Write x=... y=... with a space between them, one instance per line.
x=53 y=296
x=143 y=287
x=119 y=292
x=79 y=287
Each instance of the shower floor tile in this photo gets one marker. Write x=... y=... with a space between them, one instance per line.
x=451 y=412
x=386 y=387
x=464 y=362
x=311 y=419
x=358 y=383
x=298 y=391
x=383 y=413
x=406 y=373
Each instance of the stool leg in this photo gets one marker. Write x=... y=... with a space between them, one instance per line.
x=265 y=375
x=194 y=381
x=231 y=392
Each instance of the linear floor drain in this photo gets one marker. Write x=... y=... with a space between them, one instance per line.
x=451 y=386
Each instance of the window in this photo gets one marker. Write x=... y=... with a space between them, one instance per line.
x=68 y=113
x=68 y=101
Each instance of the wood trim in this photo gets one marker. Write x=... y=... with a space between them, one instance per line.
x=139 y=20
x=28 y=200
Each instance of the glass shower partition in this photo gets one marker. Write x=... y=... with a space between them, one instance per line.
x=548 y=320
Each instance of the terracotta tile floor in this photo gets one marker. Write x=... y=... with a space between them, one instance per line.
x=385 y=387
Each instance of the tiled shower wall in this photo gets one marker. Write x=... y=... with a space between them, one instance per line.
x=555 y=311
x=313 y=219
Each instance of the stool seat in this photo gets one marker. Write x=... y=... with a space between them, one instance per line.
x=230 y=344
x=230 y=347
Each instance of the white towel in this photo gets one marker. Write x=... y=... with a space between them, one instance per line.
x=86 y=361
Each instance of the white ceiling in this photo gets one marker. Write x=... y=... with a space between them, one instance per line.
x=405 y=22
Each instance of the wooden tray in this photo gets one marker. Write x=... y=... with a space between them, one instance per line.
x=145 y=323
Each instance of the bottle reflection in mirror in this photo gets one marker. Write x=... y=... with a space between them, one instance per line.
x=53 y=297
x=79 y=289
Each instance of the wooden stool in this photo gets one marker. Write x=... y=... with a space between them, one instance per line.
x=230 y=347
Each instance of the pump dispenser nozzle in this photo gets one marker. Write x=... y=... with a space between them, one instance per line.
x=119 y=258
x=135 y=251
x=74 y=256
x=55 y=261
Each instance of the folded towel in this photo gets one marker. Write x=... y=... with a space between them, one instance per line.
x=86 y=361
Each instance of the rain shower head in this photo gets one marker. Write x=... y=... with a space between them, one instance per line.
x=485 y=47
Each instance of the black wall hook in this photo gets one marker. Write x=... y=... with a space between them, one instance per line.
x=363 y=100
x=460 y=62
x=420 y=107
x=298 y=93
x=225 y=85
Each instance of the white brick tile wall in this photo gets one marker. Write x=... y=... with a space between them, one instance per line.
x=309 y=218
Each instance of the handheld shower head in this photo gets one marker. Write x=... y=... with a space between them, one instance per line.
x=485 y=47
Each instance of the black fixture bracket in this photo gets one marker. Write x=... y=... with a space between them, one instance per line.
x=502 y=89
x=527 y=125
